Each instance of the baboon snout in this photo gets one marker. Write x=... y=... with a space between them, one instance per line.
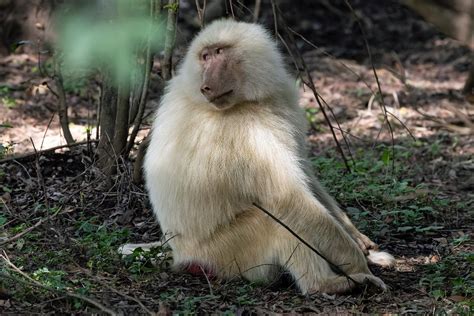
x=215 y=93
x=218 y=75
x=206 y=90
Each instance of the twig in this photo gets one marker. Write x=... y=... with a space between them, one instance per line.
x=402 y=124
x=307 y=41
x=201 y=10
x=336 y=269
x=309 y=80
x=207 y=279
x=146 y=81
x=344 y=138
x=35 y=283
x=46 y=130
x=256 y=10
x=136 y=300
x=40 y=176
x=371 y=102
x=4 y=204
x=379 y=87
x=231 y=5
x=448 y=126
x=27 y=155
x=166 y=67
x=51 y=89
x=352 y=135
x=62 y=103
x=275 y=19
x=26 y=231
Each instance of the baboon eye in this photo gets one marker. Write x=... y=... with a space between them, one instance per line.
x=205 y=56
x=219 y=50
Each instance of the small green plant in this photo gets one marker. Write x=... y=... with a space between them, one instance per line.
x=5 y=149
x=101 y=244
x=3 y=219
x=9 y=102
x=460 y=240
x=6 y=98
x=376 y=183
x=142 y=262
x=50 y=278
x=439 y=285
x=245 y=296
x=311 y=114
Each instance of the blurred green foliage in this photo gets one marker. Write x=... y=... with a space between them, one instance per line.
x=106 y=37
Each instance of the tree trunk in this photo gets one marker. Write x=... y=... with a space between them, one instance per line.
x=121 y=118
x=107 y=113
x=62 y=105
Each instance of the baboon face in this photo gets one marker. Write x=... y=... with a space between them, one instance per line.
x=220 y=75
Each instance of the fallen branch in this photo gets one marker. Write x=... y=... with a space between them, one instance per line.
x=36 y=225
x=31 y=154
x=39 y=175
x=26 y=231
x=136 y=300
x=32 y=282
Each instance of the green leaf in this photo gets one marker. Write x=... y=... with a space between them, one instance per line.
x=386 y=156
x=3 y=220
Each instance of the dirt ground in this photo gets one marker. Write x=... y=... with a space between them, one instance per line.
x=60 y=229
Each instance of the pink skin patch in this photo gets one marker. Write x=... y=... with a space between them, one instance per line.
x=198 y=269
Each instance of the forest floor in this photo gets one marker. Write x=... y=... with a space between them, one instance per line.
x=410 y=189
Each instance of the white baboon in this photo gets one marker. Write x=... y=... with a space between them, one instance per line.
x=229 y=133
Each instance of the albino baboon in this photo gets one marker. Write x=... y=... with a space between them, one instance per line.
x=229 y=133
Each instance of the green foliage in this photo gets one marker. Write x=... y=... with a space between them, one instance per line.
x=89 y=40
x=5 y=148
x=185 y=305
x=101 y=244
x=6 y=99
x=142 y=262
x=311 y=114
x=245 y=295
x=53 y=279
x=174 y=6
x=4 y=90
x=373 y=183
x=76 y=83
x=439 y=285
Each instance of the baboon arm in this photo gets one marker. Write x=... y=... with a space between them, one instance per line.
x=287 y=195
x=283 y=188
x=362 y=240
x=308 y=218
x=368 y=247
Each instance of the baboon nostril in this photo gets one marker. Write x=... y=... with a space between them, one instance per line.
x=205 y=89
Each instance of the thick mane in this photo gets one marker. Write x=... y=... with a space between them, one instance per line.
x=207 y=166
x=238 y=34
x=262 y=62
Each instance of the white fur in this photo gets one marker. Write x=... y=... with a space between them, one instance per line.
x=381 y=258
x=204 y=168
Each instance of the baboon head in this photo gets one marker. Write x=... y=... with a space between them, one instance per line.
x=230 y=63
